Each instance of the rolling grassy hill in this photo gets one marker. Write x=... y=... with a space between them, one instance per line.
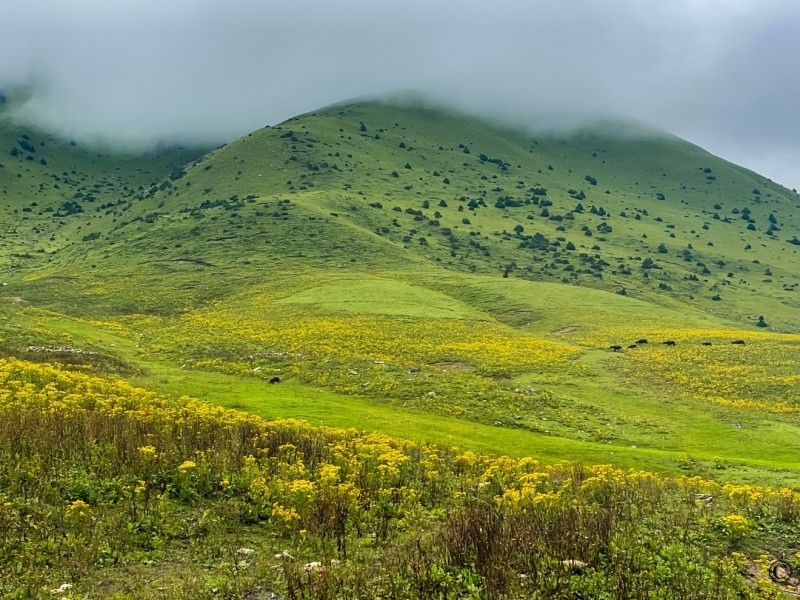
x=372 y=186
x=416 y=260
x=46 y=182
x=422 y=274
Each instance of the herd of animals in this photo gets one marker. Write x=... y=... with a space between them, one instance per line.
x=614 y=347
x=637 y=343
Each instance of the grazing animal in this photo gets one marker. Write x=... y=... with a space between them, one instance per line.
x=275 y=380
x=738 y=342
x=669 y=343
x=615 y=348
x=633 y=346
x=642 y=341
x=707 y=344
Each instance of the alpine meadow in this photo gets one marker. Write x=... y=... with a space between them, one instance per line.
x=386 y=349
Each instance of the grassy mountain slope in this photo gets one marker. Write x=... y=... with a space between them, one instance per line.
x=372 y=186
x=425 y=263
x=466 y=288
x=46 y=182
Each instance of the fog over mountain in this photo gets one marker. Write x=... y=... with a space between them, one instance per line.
x=721 y=73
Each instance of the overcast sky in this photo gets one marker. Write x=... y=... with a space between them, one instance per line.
x=722 y=73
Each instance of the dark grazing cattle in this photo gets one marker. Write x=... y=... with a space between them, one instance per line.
x=738 y=342
x=615 y=347
x=642 y=341
x=707 y=344
x=633 y=346
x=275 y=380
x=669 y=342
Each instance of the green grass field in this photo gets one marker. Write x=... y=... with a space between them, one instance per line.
x=589 y=409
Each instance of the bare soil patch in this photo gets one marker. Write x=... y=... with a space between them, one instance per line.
x=458 y=367
x=566 y=329
x=500 y=377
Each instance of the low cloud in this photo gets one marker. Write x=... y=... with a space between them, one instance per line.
x=720 y=73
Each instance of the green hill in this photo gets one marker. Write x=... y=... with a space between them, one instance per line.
x=391 y=262
x=46 y=183
x=519 y=310
x=374 y=186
